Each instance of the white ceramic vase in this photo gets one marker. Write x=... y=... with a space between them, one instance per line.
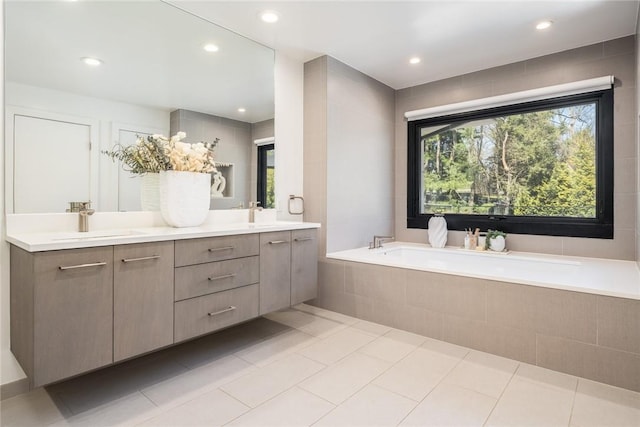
x=150 y=192
x=184 y=197
x=497 y=244
x=437 y=231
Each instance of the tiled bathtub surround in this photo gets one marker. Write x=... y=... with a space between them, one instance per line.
x=309 y=366
x=591 y=336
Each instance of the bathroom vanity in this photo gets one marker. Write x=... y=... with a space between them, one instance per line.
x=78 y=304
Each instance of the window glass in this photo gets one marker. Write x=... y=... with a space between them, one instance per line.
x=540 y=163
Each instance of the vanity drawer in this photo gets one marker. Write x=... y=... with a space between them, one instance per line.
x=203 y=279
x=198 y=316
x=199 y=251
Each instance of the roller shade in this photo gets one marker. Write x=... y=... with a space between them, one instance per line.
x=573 y=88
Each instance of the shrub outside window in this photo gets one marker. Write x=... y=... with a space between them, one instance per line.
x=543 y=167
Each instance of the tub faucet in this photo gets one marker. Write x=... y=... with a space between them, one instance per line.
x=84 y=212
x=378 y=240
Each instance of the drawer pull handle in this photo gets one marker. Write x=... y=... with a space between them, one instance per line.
x=73 y=267
x=225 y=310
x=303 y=239
x=226 y=276
x=277 y=242
x=224 y=248
x=144 y=258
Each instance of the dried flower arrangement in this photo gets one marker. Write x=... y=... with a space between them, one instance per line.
x=156 y=153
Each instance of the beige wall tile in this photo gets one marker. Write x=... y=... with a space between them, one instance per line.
x=457 y=295
x=426 y=322
x=566 y=314
x=331 y=277
x=508 y=342
x=435 y=89
x=620 y=66
x=619 y=323
x=511 y=305
x=624 y=140
x=624 y=210
x=531 y=243
x=565 y=58
x=376 y=282
x=492 y=75
x=624 y=175
x=602 y=364
x=392 y=314
x=622 y=246
x=351 y=305
x=549 y=311
x=623 y=45
x=354 y=98
x=624 y=105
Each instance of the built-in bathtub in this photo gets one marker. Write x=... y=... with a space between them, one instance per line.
x=575 y=315
x=592 y=275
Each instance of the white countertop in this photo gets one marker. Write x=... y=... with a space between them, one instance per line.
x=27 y=232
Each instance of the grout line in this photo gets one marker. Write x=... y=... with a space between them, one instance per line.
x=434 y=387
x=513 y=375
x=573 y=402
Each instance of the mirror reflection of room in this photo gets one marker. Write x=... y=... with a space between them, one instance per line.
x=74 y=88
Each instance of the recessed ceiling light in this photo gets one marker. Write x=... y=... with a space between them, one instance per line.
x=269 y=16
x=94 y=62
x=241 y=110
x=211 y=47
x=414 y=60
x=543 y=25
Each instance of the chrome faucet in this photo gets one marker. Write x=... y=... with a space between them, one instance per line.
x=84 y=212
x=378 y=240
x=253 y=207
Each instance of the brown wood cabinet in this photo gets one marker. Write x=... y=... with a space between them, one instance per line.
x=304 y=265
x=61 y=311
x=76 y=310
x=275 y=271
x=205 y=314
x=142 y=298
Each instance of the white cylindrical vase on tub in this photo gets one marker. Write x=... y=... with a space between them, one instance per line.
x=437 y=231
x=184 y=197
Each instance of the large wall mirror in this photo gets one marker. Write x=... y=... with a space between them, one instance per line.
x=154 y=76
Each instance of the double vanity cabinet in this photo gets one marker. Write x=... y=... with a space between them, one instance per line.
x=75 y=310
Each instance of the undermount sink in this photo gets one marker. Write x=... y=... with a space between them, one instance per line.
x=78 y=235
x=264 y=217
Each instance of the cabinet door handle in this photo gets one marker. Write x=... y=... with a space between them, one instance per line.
x=226 y=276
x=224 y=310
x=144 y=258
x=224 y=248
x=277 y=242
x=73 y=267
x=302 y=239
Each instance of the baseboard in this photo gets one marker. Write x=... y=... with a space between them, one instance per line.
x=14 y=388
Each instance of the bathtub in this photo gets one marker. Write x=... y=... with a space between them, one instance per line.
x=590 y=275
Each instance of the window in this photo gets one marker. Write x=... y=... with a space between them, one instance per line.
x=266 y=174
x=542 y=167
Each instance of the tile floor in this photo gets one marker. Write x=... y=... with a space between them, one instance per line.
x=308 y=366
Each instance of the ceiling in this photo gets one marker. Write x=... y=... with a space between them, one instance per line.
x=159 y=62
x=451 y=37
x=152 y=55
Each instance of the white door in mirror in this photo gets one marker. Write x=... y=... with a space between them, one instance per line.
x=51 y=164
